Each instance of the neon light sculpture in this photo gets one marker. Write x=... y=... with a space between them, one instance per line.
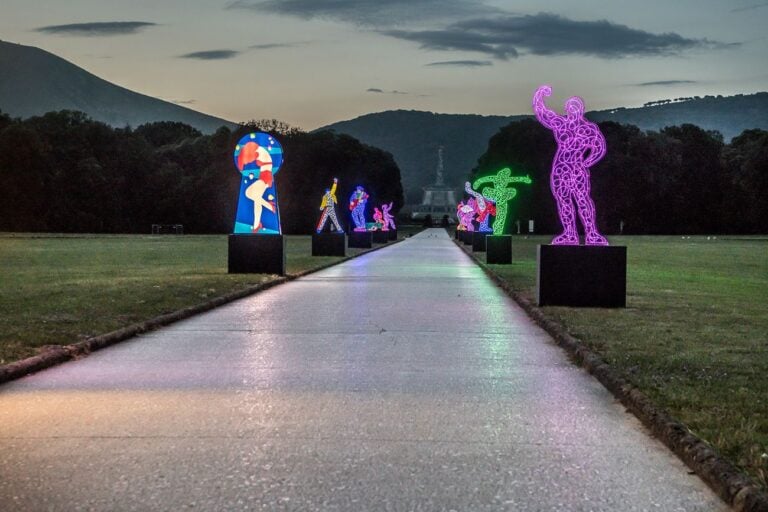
x=357 y=202
x=466 y=213
x=500 y=193
x=580 y=145
x=459 y=216
x=258 y=157
x=378 y=220
x=328 y=207
x=388 y=219
x=485 y=208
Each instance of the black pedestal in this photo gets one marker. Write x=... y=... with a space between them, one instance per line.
x=498 y=249
x=380 y=237
x=456 y=234
x=478 y=241
x=329 y=244
x=582 y=276
x=392 y=234
x=256 y=254
x=360 y=240
x=467 y=237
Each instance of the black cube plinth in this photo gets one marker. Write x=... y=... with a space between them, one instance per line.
x=498 y=249
x=360 y=240
x=256 y=254
x=582 y=276
x=467 y=237
x=478 y=241
x=329 y=244
x=392 y=234
x=380 y=237
x=456 y=234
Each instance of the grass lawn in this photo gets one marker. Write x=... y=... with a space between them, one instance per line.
x=60 y=289
x=694 y=335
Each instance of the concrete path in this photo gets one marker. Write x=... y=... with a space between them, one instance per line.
x=401 y=380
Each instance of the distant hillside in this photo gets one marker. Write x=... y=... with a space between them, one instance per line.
x=33 y=82
x=413 y=137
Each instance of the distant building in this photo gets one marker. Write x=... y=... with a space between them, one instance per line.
x=439 y=199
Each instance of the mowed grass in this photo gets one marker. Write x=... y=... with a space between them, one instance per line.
x=60 y=289
x=694 y=335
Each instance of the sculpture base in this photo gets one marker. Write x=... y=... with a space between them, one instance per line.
x=478 y=241
x=581 y=276
x=329 y=244
x=380 y=237
x=392 y=235
x=256 y=254
x=468 y=237
x=360 y=240
x=456 y=234
x=498 y=249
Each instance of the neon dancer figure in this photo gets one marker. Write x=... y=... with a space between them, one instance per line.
x=357 y=202
x=580 y=145
x=460 y=217
x=500 y=193
x=258 y=157
x=328 y=207
x=388 y=219
x=378 y=220
x=485 y=208
x=466 y=213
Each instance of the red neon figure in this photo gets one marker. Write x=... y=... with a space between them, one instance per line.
x=580 y=145
x=251 y=153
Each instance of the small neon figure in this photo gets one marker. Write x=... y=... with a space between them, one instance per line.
x=378 y=220
x=485 y=208
x=388 y=219
x=258 y=157
x=357 y=202
x=500 y=193
x=466 y=213
x=328 y=207
x=459 y=210
x=580 y=145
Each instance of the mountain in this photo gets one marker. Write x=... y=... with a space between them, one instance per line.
x=413 y=137
x=34 y=81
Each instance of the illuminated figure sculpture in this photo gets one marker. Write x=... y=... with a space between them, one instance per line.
x=459 y=210
x=357 y=202
x=485 y=208
x=378 y=220
x=466 y=213
x=328 y=207
x=387 y=218
x=500 y=193
x=258 y=157
x=580 y=145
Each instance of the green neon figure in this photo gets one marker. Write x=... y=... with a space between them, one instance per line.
x=501 y=193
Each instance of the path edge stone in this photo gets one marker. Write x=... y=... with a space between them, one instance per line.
x=733 y=486
x=53 y=355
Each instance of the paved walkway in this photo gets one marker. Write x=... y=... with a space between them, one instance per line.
x=400 y=380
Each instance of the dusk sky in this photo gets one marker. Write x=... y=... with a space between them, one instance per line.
x=314 y=62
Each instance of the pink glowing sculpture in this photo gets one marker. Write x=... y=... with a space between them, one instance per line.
x=484 y=208
x=378 y=220
x=388 y=220
x=580 y=145
x=466 y=213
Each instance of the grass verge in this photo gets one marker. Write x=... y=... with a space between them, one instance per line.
x=693 y=338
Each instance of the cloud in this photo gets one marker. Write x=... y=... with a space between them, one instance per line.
x=369 y=12
x=211 y=55
x=750 y=7
x=667 y=82
x=505 y=37
x=461 y=63
x=105 y=28
x=382 y=91
x=272 y=46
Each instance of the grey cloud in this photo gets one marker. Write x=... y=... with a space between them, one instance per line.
x=667 y=82
x=272 y=46
x=462 y=63
x=750 y=7
x=382 y=91
x=369 y=12
x=106 y=28
x=506 y=37
x=211 y=55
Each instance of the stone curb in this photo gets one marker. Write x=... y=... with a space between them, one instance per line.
x=733 y=486
x=57 y=354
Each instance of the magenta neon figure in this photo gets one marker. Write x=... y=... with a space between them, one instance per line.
x=580 y=145
x=484 y=208
x=388 y=220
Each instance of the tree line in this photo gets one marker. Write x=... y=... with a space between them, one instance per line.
x=679 y=180
x=64 y=172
